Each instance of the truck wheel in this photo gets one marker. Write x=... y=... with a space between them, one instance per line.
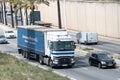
x=28 y=56
x=19 y=51
x=70 y=66
x=24 y=54
x=41 y=60
x=51 y=63
x=85 y=42
x=78 y=41
x=96 y=43
x=48 y=64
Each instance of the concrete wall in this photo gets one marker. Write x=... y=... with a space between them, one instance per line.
x=103 y=18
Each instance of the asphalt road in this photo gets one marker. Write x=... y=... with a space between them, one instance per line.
x=110 y=46
x=81 y=70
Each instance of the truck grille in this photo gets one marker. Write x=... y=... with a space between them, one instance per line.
x=64 y=60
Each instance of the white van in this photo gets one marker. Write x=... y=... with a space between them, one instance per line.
x=87 y=37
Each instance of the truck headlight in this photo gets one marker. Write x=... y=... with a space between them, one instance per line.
x=72 y=60
x=102 y=62
x=55 y=60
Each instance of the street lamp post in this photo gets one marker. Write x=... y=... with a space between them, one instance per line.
x=59 y=14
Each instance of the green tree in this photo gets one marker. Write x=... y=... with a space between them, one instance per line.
x=28 y=4
x=3 y=10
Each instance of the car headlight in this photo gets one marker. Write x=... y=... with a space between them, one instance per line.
x=114 y=61
x=102 y=62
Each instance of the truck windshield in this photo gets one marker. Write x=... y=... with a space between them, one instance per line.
x=62 y=46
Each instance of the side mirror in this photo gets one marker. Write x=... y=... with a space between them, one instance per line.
x=75 y=42
x=74 y=46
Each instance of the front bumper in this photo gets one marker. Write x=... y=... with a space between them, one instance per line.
x=108 y=65
x=64 y=62
x=11 y=36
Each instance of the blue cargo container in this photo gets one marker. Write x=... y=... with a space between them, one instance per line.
x=31 y=40
x=50 y=46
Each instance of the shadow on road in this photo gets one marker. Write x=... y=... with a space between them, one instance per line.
x=81 y=61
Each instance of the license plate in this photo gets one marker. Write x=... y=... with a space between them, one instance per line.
x=64 y=65
x=110 y=64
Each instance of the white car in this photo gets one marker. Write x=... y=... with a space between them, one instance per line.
x=9 y=34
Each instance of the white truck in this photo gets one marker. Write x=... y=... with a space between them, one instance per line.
x=87 y=37
x=50 y=46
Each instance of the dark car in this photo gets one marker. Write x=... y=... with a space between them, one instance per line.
x=101 y=60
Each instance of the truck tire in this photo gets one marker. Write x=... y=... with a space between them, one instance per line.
x=41 y=60
x=28 y=56
x=78 y=41
x=48 y=64
x=96 y=43
x=51 y=63
x=24 y=54
x=85 y=42
x=19 y=51
x=70 y=66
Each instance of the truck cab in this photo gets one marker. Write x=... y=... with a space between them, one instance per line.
x=60 y=48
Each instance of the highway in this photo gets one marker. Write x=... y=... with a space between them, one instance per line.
x=81 y=70
x=109 y=45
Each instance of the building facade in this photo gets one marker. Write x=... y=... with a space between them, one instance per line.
x=100 y=17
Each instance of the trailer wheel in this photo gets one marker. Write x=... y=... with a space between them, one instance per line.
x=19 y=51
x=28 y=56
x=85 y=42
x=24 y=54
x=78 y=41
x=41 y=60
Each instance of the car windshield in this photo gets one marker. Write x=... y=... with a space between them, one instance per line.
x=103 y=56
x=62 y=46
x=2 y=36
x=8 y=31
